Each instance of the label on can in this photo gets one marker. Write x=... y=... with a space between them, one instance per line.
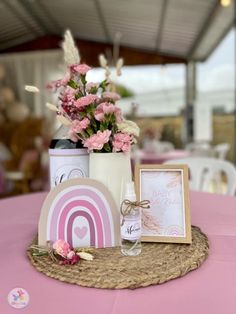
x=68 y=164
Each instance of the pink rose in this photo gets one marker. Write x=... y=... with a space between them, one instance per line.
x=61 y=247
x=121 y=142
x=79 y=125
x=80 y=68
x=85 y=101
x=111 y=95
x=97 y=141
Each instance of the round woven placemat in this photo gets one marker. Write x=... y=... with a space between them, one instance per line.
x=157 y=263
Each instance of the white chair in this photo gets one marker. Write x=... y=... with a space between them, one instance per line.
x=165 y=147
x=200 y=149
x=208 y=174
x=221 y=150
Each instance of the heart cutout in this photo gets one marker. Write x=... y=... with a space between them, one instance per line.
x=80 y=232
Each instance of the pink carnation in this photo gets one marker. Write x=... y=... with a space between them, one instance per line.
x=73 y=136
x=70 y=255
x=99 y=114
x=102 y=109
x=118 y=115
x=80 y=68
x=97 y=141
x=79 y=125
x=121 y=142
x=89 y=86
x=68 y=96
x=111 y=95
x=58 y=83
x=86 y=100
x=61 y=247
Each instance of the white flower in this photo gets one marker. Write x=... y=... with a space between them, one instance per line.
x=85 y=256
x=31 y=89
x=64 y=120
x=102 y=61
x=119 y=64
x=51 y=106
x=129 y=127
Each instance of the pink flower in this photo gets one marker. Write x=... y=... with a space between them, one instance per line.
x=118 y=115
x=85 y=101
x=68 y=95
x=79 y=125
x=111 y=95
x=70 y=255
x=73 y=136
x=61 y=247
x=80 y=68
x=90 y=86
x=121 y=142
x=99 y=114
x=74 y=260
x=58 y=83
x=97 y=141
x=102 y=109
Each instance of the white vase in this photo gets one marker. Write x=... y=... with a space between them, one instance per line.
x=113 y=170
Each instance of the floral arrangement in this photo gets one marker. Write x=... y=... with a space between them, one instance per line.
x=61 y=252
x=89 y=109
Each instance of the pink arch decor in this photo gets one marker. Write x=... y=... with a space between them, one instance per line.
x=81 y=212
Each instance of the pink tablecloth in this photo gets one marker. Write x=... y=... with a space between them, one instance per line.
x=157 y=158
x=208 y=290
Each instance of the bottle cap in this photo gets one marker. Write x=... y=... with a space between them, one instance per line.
x=130 y=192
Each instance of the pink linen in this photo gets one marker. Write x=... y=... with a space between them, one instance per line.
x=2 y=181
x=208 y=290
x=159 y=158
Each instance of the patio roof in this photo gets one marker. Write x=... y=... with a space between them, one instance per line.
x=179 y=29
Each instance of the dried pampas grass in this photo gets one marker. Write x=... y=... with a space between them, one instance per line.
x=71 y=53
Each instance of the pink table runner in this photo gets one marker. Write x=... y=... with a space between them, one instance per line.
x=208 y=290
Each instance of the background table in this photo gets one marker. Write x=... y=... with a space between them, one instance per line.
x=159 y=158
x=208 y=290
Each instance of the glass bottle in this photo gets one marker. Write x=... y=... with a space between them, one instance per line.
x=68 y=159
x=130 y=225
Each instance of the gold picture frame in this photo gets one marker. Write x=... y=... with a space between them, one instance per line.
x=167 y=189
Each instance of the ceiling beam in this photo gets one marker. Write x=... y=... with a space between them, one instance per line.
x=161 y=24
x=18 y=16
x=16 y=41
x=102 y=20
x=56 y=27
x=47 y=24
x=90 y=50
x=213 y=48
x=203 y=30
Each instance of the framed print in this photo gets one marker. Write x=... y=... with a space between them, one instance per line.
x=166 y=187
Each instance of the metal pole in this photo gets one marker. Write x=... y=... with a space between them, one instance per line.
x=190 y=96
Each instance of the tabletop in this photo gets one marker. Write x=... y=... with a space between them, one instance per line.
x=207 y=290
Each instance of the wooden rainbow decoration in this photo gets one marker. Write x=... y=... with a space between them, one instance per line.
x=81 y=212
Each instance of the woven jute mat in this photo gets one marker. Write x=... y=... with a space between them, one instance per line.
x=157 y=264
